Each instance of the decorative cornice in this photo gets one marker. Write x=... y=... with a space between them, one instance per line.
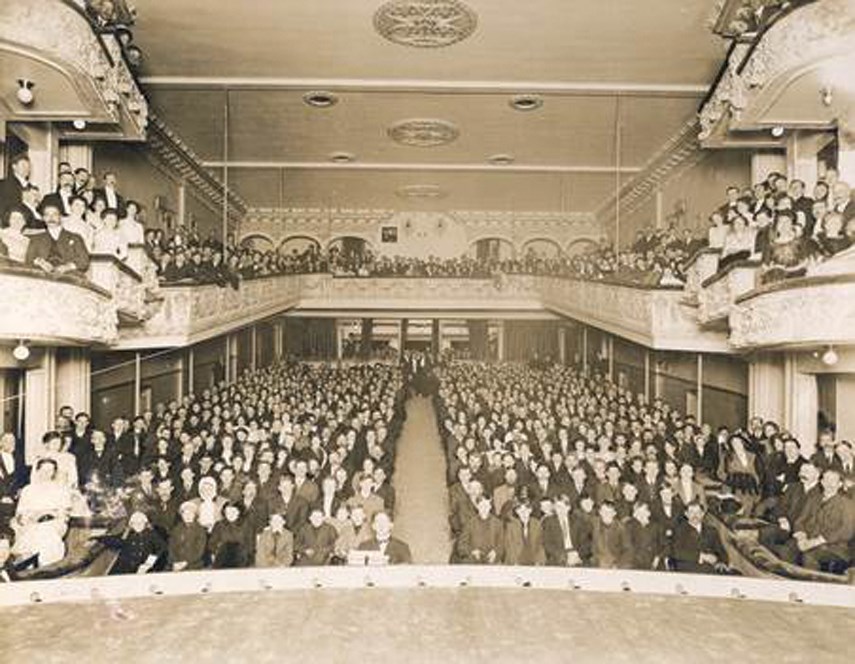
x=804 y=37
x=680 y=152
x=62 y=32
x=176 y=155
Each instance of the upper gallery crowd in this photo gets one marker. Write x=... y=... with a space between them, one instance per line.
x=774 y=223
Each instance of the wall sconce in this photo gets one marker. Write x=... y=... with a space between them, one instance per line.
x=25 y=91
x=827 y=96
x=21 y=352
x=830 y=357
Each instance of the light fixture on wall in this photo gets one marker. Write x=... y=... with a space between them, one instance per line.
x=79 y=125
x=21 y=352
x=830 y=357
x=25 y=91
x=777 y=131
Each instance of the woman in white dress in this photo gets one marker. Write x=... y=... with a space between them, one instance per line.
x=76 y=222
x=108 y=240
x=41 y=519
x=13 y=237
x=130 y=227
x=66 y=463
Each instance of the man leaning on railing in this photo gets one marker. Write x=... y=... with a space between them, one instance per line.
x=56 y=250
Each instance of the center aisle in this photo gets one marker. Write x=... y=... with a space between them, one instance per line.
x=421 y=504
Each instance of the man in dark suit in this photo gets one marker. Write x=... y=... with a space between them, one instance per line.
x=481 y=539
x=697 y=546
x=96 y=463
x=30 y=207
x=566 y=536
x=110 y=193
x=646 y=540
x=57 y=251
x=10 y=478
x=790 y=507
x=63 y=194
x=397 y=552
x=12 y=188
x=524 y=538
x=293 y=507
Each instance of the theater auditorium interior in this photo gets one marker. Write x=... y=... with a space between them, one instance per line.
x=428 y=330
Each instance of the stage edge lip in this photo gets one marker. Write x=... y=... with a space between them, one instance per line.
x=414 y=577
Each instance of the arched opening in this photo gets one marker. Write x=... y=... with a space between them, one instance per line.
x=349 y=247
x=256 y=242
x=297 y=245
x=581 y=246
x=492 y=248
x=542 y=247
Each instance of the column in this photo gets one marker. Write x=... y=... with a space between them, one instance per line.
x=763 y=163
x=137 y=383
x=501 y=341
x=39 y=402
x=253 y=340
x=277 y=340
x=611 y=351
x=435 y=334
x=846 y=155
x=700 y=388
x=647 y=375
x=562 y=344
x=43 y=148
x=402 y=324
x=802 y=149
x=191 y=371
x=801 y=404
x=79 y=155
x=766 y=387
x=182 y=203
x=339 y=341
x=584 y=348
x=73 y=378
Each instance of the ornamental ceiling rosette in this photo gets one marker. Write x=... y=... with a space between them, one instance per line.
x=425 y=23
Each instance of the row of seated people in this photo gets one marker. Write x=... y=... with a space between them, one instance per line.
x=551 y=466
x=778 y=224
x=290 y=465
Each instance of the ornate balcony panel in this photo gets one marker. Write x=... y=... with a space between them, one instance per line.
x=718 y=293
x=798 y=313
x=503 y=295
x=123 y=281
x=756 y=75
x=654 y=317
x=57 y=36
x=190 y=313
x=703 y=266
x=54 y=310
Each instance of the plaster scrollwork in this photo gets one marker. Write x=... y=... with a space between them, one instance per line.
x=806 y=35
x=58 y=31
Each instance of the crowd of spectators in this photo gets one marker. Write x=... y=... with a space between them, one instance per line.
x=291 y=465
x=550 y=466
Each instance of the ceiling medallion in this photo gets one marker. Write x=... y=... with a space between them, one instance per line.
x=425 y=23
x=423 y=133
x=421 y=191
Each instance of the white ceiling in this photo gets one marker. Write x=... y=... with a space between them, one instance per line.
x=658 y=56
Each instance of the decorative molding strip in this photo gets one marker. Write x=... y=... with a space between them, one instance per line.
x=558 y=88
x=167 y=147
x=680 y=152
x=803 y=38
x=418 y=166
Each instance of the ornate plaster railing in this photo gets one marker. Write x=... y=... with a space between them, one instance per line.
x=189 y=313
x=700 y=268
x=55 y=310
x=440 y=294
x=718 y=294
x=653 y=316
x=805 y=312
x=58 y=32
x=125 y=283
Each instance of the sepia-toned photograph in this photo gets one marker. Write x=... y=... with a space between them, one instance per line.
x=427 y=331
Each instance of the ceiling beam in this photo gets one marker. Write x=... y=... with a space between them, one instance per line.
x=428 y=86
x=329 y=166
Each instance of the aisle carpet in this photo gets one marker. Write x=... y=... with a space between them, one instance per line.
x=421 y=517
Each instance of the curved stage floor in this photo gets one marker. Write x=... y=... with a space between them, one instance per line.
x=426 y=625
